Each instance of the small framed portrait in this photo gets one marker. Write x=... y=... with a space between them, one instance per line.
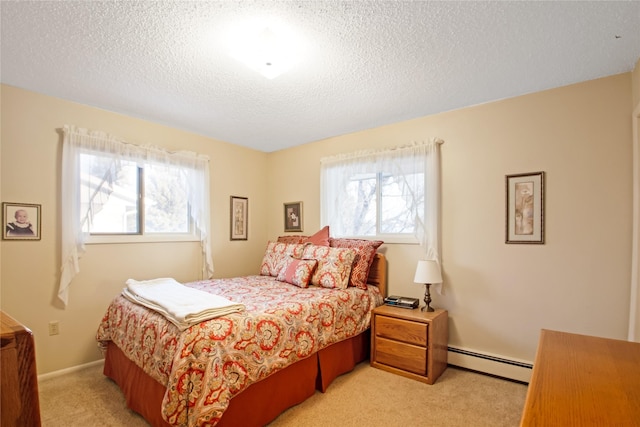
x=525 y=208
x=239 y=218
x=20 y=221
x=293 y=216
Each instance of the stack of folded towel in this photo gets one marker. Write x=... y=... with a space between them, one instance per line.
x=182 y=305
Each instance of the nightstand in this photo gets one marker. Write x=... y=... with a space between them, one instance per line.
x=410 y=342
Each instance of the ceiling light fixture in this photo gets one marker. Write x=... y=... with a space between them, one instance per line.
x=266 y=51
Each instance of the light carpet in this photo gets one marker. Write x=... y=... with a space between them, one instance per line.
x=364 y=397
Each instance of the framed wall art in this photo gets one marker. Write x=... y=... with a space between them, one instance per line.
x=525 y=208
x=239 y=218
x=20 y=221
x=293 y=216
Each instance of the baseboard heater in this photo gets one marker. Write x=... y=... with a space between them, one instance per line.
x=490 y=364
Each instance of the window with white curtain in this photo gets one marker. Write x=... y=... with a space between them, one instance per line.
x=116 y=192
x=390 y=194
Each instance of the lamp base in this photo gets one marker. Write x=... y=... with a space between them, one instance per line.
x=427 y=299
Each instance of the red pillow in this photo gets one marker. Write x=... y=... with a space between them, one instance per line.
x=296 y=239
x=366 y=251
x=321 y=238
x=297 y=271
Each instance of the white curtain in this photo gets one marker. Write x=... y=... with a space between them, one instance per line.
x=77 y=141
x=405 y=162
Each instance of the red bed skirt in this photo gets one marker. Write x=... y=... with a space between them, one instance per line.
x=261 y=402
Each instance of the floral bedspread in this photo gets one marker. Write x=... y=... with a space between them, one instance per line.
x=207 y=364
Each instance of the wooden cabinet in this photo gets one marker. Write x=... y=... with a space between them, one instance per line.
x=580 y=380
x=409 y=342
x=18 y=376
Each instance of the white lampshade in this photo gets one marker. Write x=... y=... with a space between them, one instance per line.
x=428 y=271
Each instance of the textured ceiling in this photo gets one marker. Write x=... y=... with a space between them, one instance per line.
x=365 y=63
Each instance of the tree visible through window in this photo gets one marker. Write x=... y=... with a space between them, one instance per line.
x=131 y=193
x=124 y=197
x=374 y=205
x=378 y=194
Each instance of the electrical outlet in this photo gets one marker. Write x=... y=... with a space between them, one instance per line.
x=54 y=327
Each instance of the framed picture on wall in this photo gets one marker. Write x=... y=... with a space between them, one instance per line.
x=20 y=221
x=293 y=216
x=525 y=208
x=239 y=218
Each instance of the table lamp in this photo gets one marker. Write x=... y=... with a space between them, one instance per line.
x=427 y=273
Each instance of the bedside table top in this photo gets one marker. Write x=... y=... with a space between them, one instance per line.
x=415 y=314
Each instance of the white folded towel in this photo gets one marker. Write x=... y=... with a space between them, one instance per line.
x=182 y=305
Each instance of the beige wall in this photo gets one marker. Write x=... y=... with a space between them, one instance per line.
x=499 y=296
x=30 y=171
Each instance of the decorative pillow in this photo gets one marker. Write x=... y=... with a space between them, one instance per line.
x=334 y=265
x=297 y=271
x=365 y=251
x=276 y=254
x=292 y=239
x=321 y=238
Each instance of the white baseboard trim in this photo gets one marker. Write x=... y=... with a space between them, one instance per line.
x=55 y=374
x=492 y=364
x=517 y=370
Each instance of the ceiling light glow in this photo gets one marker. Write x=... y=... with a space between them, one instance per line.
x=266 y=50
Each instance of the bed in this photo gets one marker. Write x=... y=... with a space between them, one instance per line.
x=246 y=368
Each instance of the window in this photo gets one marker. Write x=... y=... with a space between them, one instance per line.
x=374 y=205
x=132 y=198
x=122 y=192
x=391 y=195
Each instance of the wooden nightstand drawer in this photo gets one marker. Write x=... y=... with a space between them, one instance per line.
x=400 y=355
x=412 y=343
x=401 y=330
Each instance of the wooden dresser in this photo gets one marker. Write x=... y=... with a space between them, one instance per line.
x=409 y=342
x=18 y=375
x=580 y=380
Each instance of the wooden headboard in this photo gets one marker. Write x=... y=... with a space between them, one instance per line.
x=378 y=273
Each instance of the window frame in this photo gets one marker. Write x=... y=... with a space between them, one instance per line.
x=408 y=238
x=378 y=165
x=141 y=236
x=73 y=238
